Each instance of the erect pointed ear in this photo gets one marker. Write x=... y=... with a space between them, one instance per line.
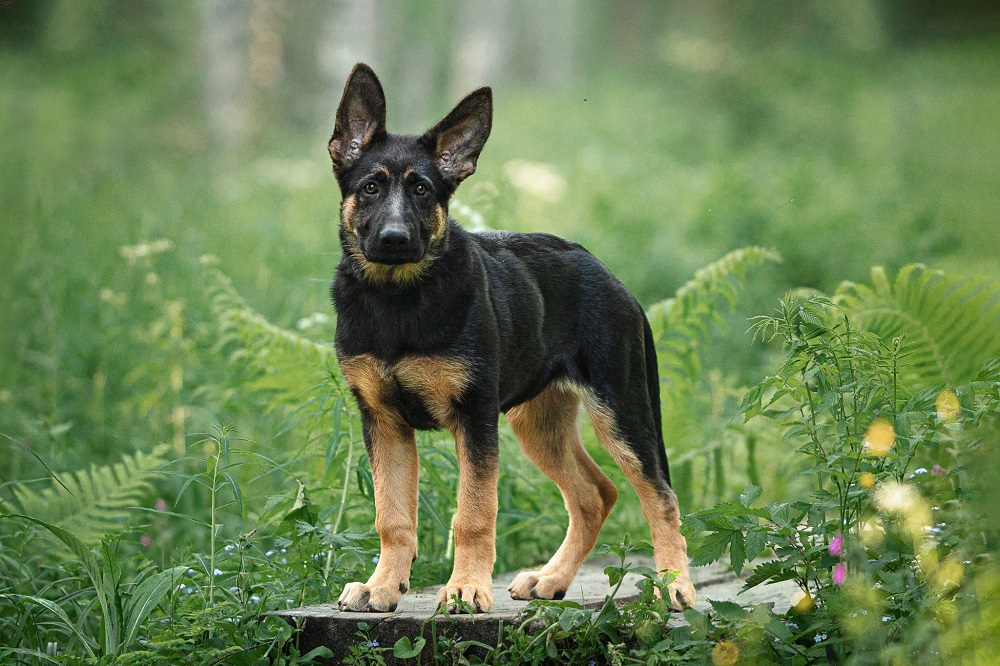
x=459 y=138
x=360 y=117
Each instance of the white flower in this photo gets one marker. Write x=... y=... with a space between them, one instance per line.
x=537 y=179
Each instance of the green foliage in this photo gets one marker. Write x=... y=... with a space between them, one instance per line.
x=866 y=543
x=693 y=402
x=681 y=325
x=949 y=323
x=92 y=503
x=124 y=607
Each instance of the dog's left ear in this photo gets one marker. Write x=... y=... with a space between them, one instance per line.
x=458 y=139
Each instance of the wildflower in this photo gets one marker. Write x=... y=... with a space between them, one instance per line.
x=819 y=637
x=372 y=644
x=879 y=438
x=537 y=179
x=947 y=406
x=894 y=497
x=867 y=480
x=725 y=653
x=839 y=574
x=315 y=319
x=802 y=601
x=375 y=559
x=837 y=545
x=160 y=505
x=217 y=572
x=937 y=471
x=145 y=540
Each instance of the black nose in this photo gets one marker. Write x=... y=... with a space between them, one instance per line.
x=394 y=239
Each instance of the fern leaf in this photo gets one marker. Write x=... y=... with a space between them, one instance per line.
x=683 y=323
x=682 y=326
x=292 y=368
x=949 y=324
x=94 y=502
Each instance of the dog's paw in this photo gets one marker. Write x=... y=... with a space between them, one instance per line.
x=478 y=596
x=681 y=593
x=369 y=598
x=535 y=585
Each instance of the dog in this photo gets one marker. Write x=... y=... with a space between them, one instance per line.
x=438 y=327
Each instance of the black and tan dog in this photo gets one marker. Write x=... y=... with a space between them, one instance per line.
x=441 y=328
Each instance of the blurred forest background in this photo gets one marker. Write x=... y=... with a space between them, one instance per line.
x=139 y=136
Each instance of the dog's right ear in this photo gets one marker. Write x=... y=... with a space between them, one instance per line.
x=360 y=117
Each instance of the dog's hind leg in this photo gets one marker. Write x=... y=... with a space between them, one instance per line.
x=634 y=448
x=547 y=432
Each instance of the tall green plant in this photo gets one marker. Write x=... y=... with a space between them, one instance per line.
x=123 y=606
x=682 y=327
x=877 y=545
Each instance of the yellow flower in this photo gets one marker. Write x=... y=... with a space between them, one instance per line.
x=879 y=438
x=947 y=405
x=802 y=601
x=725 y=653
x=867 y=480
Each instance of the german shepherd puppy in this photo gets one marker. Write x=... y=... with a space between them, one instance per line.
x=441 y=328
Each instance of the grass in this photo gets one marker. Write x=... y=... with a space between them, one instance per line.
x=839 y=163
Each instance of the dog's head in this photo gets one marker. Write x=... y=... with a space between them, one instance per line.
x=396 y=188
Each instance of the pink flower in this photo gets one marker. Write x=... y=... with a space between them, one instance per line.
x=937 y=471
x=839 y=574
x=145 y=540
x=837 y=545
x=160 y=505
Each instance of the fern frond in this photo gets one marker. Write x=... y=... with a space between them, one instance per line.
x=683 y=323
x=292 y=368
x=949 y=324
x=98 y=501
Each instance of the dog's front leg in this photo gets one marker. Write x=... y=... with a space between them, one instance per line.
x=475 y=521
x=392 y=450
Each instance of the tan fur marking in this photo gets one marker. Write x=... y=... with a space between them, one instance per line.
x=437 y=380
x=395 y=470
x=547 y=431
x=347 y=209
x=657 y=500
x=474 y=526
x=442 y=224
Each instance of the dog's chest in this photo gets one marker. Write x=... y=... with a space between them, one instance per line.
x=423 y=391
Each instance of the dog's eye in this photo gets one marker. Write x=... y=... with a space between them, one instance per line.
x=420 y=189
x=371 y=187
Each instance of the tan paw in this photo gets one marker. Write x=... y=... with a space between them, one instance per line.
x=536 y=585
x=370 y=599
x=479 y=596
x=681 y=593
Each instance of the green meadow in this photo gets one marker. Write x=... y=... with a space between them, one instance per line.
x=174 y=429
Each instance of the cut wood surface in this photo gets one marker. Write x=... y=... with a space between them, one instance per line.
x=325 y=625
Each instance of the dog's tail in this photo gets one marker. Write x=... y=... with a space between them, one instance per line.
x=653 y=386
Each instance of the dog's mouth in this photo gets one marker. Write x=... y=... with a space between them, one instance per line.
x=410 y=256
